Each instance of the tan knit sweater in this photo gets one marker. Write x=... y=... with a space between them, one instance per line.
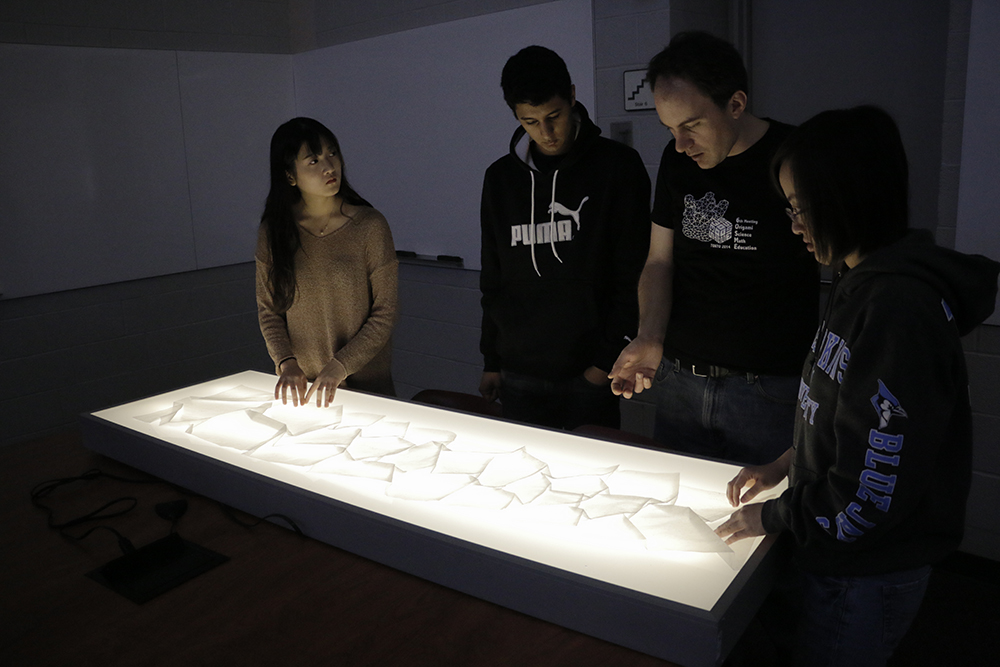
x=345 y=302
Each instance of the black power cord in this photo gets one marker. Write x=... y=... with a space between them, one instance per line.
x=143 y=573
x=231 y=514
x=123 y=506
x=171 y=511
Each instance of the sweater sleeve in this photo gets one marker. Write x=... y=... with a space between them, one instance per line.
x=489 y=279
x=627 y=256
x=272 y=324
x=885 y=470
x=383 y=268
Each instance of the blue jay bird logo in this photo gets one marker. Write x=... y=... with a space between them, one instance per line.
x=886 y=405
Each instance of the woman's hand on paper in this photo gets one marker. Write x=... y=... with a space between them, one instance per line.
x=291 y=381
x=326 y=383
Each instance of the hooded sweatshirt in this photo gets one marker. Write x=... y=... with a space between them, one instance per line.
x=883 y=443
x=562 y=251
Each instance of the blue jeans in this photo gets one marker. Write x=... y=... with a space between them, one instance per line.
x=747 y=419
x=563 y=404
x=857 y=621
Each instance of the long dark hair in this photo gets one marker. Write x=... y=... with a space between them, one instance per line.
x=278 y=218
x=851 y=180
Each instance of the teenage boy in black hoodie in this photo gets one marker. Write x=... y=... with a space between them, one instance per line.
x=565 y=227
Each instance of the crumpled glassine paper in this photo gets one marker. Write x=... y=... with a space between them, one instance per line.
x=414 y=463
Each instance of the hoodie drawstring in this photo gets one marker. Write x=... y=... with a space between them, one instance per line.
x=532 y=205
x=552 y=221
x=552 y=217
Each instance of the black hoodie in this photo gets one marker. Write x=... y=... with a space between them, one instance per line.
x=561 y=255
x=883 y=445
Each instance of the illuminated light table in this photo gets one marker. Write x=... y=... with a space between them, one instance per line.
x=607 y=539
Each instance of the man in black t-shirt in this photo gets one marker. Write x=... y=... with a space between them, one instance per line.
x=728 y=296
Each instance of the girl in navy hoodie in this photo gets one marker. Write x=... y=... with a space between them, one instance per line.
x=880 y=465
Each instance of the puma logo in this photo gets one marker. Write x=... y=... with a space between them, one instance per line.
x=556 y=207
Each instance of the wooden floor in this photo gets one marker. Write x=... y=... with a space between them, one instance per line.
x=280 y=600
x=286 y=600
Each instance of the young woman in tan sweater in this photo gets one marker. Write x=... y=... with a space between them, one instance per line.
x=326 y=273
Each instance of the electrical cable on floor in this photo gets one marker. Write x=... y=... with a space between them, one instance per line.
x=229 y=512
x=146 y=572
x=170 y=511
x=44 y=489
x=143 y=573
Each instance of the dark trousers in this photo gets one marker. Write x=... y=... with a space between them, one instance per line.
x=563 y=404
x=811 y=620
x=747 y=419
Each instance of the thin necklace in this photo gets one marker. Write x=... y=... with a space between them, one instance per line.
x=329 y=221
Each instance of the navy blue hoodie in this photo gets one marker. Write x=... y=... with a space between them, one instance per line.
x=883 y=443
x=561 y=255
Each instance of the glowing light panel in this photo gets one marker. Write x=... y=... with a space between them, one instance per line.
x=628 y=516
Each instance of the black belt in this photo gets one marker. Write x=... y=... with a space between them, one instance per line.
x=706 y=370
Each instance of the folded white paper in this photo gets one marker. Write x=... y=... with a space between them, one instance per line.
x=661 y=486
x=409 y=462
x=607 y=504
x=305 y=418
x=504 y=469
x=674 y=528
x=345 y=465
x=426 y=486
x=469 y=463
x=244 y=429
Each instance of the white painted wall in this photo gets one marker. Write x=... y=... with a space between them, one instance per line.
x=978 y=228
x=120 y=164
x=813 y=56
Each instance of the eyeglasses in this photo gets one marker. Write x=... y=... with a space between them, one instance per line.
x=794 y=213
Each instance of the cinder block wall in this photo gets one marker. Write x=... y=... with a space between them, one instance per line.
x=83 y=350
x=982 y=523
x=87 y=349
x=436 y=342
